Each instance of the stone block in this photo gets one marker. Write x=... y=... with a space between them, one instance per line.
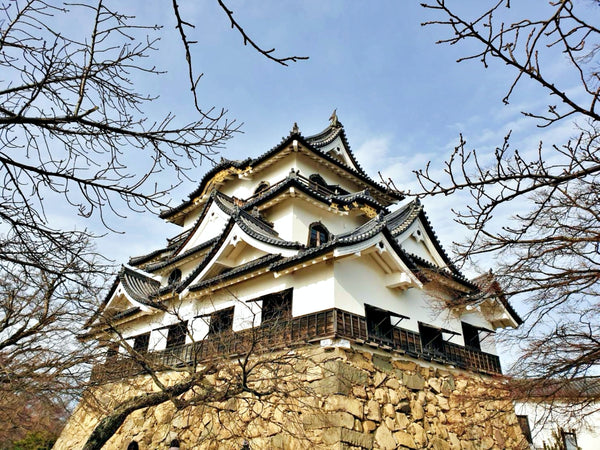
x=436 y=385
x=385 y=439
x=373 y=412
x=356 y=439
x=439 y=444
x=418 y=434
x=326 y=420
x=404 y=365
x=404 y=439
x=369 y=426
x=413 y=381
x=344 y=403
x=382 y=362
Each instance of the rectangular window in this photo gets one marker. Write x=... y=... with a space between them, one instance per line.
x=221 y=321
x=379 y=323
x=277 y=306
x=431 y=338
x=471 y=336
x=176 y=334
x=524 y=424
x=141 y=343
x=569 y=440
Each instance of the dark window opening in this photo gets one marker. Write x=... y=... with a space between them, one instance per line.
x=277 y=306
x=174 y=277
x=431 y=338
x=379 y=323
x=133 y=445
x=471 y=336
x=221 y=321
x=318 y=235
x=112 y=350
x=524 y=424
x=176 y=334
x=141 y=343
x=262 y=186
x=569 y=440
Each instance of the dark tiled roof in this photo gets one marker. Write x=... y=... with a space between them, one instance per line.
x=401 y=219
x=292 y=180
x=223 y=165
x=197 y=248
x=455 y=275
x=139 y=260
x=139 y=287
x=310 y=143
x=256 y=264
x=328 y=135
x=488 y=284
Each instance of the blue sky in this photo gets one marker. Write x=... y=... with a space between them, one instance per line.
x=402 y=99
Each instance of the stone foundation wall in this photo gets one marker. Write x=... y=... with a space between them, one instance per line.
x=336 y=398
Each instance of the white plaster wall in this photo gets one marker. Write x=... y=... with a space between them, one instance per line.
x=587 y=425
x=359 y=282
x=244 y=187
x=308 y=166
x=212 y=225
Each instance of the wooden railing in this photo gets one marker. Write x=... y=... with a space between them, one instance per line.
x=331 y=323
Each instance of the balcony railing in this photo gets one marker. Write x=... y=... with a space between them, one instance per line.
x=274 y=335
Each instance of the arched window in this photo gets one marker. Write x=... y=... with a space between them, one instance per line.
x=262 y=186
x=174 y=277
x=317 y=235
x=133 y=445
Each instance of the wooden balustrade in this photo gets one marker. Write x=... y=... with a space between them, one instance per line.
x=278 y=334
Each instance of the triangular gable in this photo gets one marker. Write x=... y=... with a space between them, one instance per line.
x=129 y=294
x=239 y=246
x=342 y=159
x=417 y=241
x=209 y=225
x=333 y=142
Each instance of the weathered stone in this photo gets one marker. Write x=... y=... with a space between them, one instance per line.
x=402 y=421
x=439 y=444
x=413 y=381
x=357 y=439
x=346 y=372
x=442 y=403
x=454 y=442
x=344 y=403
x=373 y=411
x=324 y=420
x=389 y=410
x=384 y=438
x=404 y=365
x=331 y=385
x=418 y=434
x=391 y=424
x=382 y=362
x=487 y=443
x=392 y=383
x=381 y=394
x=435 y=384
x=379 y=378
x=448 y=385
x=404 y=439
x=368 y=426
x=359 y=392
x=416 y=410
